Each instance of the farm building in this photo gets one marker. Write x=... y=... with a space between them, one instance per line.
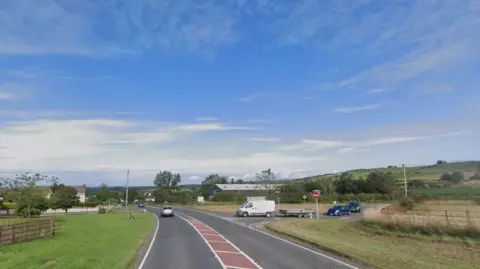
x=251 y=191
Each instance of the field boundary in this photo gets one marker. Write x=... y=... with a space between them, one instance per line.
x=17 y=232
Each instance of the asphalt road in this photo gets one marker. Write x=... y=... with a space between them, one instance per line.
x=178 y=246
x=191 y=239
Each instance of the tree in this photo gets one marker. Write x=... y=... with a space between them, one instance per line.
x=104 y=193
x=161 y=195
x=380 y=182
x=211 y=180
x=458 y=177
x=454 y=178
x=416 y=184
x=132 y=195
x=21 y=188
x=65 y=197
x=167 y=180
x=347 y=184
x=266 y=175
x=441 y=162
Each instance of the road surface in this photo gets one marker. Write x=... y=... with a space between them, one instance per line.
x=195 y=240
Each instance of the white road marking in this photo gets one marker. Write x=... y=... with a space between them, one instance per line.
x=206 y=242
x=233 y=245
x=224 y=251
x=151 y=243
x=284 y=240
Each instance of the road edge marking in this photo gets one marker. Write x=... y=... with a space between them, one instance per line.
x=205 y=241
x=281 y=239
x=214 y=251
x=151 y=243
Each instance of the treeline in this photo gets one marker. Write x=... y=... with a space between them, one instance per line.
x=28 y=200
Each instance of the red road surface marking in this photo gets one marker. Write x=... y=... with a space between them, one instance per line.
x=229 y=255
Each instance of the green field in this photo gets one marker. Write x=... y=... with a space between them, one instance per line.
x=383 y=250
x=83 y=242
x=453 y=191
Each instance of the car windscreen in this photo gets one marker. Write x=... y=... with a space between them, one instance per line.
x=167 y=207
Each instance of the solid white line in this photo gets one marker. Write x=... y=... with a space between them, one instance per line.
x=230 y=252
x=151 y=243
x=205 y=240
x=233 y=245
x=284 y=240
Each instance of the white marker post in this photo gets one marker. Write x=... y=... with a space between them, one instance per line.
x=316 y=195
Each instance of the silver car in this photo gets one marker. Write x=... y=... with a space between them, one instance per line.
x=167 y=211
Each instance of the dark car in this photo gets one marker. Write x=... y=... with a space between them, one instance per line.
x=354 y=207
x=339 y=210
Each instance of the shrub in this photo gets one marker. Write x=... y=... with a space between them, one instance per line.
x=102 y=210
x=407 y=202
x=227 y=197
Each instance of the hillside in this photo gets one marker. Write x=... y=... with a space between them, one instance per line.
x=425 y=173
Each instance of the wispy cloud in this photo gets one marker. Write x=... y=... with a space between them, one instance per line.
x=264 y=139
x=211 y=127
x=354 y=109
x=349 y=146
x=207 y=119
x=5 y=96
x=258 y=120
x=378 y=90
x=126 y=27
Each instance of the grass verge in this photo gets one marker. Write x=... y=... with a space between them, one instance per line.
x=83 y=241
x=348 y=238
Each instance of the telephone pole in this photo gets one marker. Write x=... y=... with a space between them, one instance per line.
x=405 y=180
x=126 y=191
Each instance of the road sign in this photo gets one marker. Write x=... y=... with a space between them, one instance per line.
x=316 y=194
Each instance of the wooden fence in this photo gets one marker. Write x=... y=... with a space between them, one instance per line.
x=461 y=217
x=18 y=231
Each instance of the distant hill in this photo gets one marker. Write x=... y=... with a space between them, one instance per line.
x=426 y=172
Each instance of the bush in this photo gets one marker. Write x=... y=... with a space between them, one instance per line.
x=7 y=205
x=102 y=210
x=407 y=202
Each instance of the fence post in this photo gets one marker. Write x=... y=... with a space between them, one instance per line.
x=25 y=231
x=468 y=218
x=52 y=225
x=447 y=218
x=12 y=226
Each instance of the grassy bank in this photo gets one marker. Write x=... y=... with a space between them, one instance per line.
x=385 y=250
x=83 y=241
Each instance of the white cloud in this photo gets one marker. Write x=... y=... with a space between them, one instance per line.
x=377 y=90
x=365 y=145
x=211 y=127
x=358 y=108
x=102 y=149
x=264 y=139
x=5 y=96
x=207 y=119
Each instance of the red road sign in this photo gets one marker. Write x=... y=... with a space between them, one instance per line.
x=316 y=194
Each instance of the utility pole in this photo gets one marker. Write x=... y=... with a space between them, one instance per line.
x=126 y=191
x=405 y=180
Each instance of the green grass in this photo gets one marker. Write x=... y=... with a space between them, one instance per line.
x=83 y=241
x=385 y=250
x=452 y=191
x=6 y=221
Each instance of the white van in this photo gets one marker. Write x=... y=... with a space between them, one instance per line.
x=257 y=208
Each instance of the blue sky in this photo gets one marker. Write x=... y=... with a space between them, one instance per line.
x=89 y=89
